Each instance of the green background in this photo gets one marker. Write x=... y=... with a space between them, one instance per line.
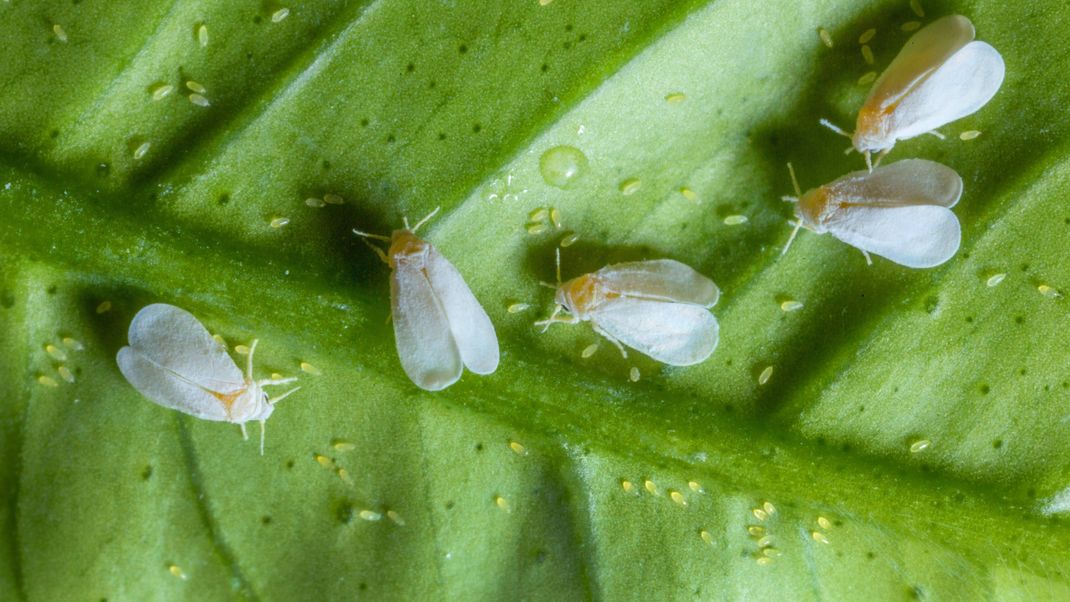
x=400 y=106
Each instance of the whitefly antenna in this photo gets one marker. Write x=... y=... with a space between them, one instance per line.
x=794 y=181
x=557 y=265
x=423 y=221
x=798 y=194
x=834 y=127
x=363 y=234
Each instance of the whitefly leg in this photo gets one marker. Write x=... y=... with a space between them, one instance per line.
x=611 y=339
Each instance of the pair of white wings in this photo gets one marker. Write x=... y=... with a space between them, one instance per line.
x=899 y=211
x=662 y=310
x=438 y=324
x=941 y=75
x=174 y=361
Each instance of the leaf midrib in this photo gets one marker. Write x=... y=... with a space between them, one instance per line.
x=738 y=443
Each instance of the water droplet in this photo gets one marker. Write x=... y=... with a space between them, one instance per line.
x=630 y=186
x=562 y=165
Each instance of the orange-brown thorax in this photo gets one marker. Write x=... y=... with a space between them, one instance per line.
x=228 y=399
x=583 y=294
x=814 y=208
x=406 y=247
x=871 y=129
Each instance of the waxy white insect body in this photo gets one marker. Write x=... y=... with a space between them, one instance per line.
x=439 y=326
x=900 y=211
x=942 y=74
x=173 y=360
x=658 y=307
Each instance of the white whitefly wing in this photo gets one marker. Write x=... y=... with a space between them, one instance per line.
x=173 y=360
x=957 y=88
x=907 y=182
x=167 y=388
x=924 y=52
x=472 y=330
x=916 y=236
x=660 y=279
x=678 y=334
x=421 y=330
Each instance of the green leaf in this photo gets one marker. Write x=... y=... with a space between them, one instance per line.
x=556 y=477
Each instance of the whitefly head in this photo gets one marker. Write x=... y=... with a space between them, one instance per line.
x=407 y=249
x=871 y=133
x=251 y=404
